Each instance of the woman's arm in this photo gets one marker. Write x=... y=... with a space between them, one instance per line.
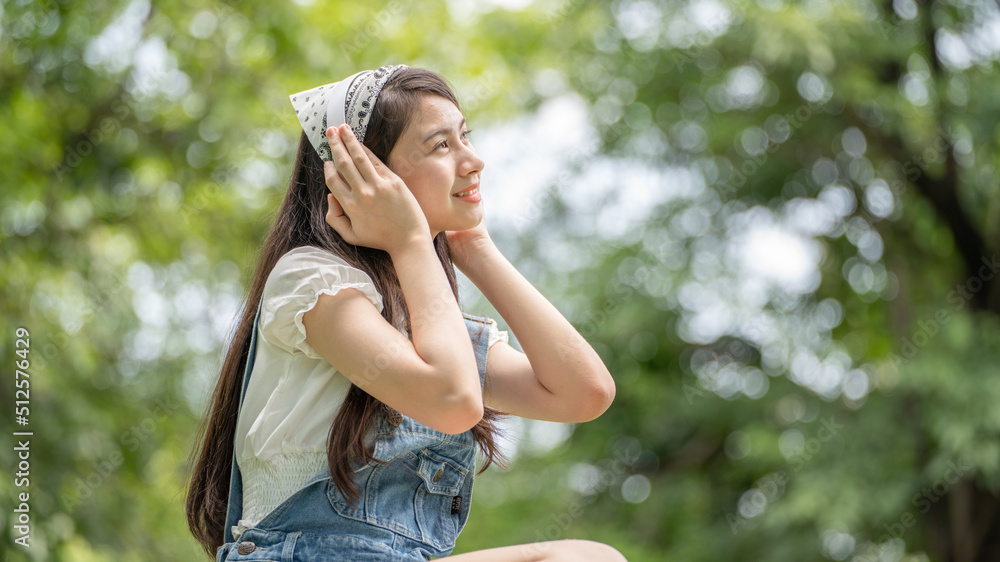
x=431 y=379
x=559 y=377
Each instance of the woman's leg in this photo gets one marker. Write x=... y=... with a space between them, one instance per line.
x=551 y=551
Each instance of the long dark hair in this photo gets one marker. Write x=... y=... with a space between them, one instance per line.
x=301 y=221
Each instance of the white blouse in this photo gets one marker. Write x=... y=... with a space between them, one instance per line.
x=294 y=393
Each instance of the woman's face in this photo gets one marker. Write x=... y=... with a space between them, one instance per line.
x=436 y=160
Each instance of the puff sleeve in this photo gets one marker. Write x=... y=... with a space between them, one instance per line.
x=496 y=334
x=293 y=288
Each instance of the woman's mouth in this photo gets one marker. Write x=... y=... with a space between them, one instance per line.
x=471 y=195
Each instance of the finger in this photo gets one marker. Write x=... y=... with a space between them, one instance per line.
x=380 y=167
x=339 y=221
x=358 y=154
x=343 y=160
x=335 y=208
x=335 y=180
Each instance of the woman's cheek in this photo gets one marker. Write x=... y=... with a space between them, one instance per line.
x=406 y=163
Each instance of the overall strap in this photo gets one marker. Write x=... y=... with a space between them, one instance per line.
x=478 y=327
x=234 y=510
x=252 y=353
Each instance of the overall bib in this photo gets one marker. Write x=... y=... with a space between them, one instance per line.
x=412 y=507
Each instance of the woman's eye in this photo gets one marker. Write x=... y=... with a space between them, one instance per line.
x=444 y=143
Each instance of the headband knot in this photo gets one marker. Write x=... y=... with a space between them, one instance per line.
x=350 y=101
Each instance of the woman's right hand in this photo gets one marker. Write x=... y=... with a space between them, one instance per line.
x=369 y=205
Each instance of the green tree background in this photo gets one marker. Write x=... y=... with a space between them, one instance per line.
x=802 y=322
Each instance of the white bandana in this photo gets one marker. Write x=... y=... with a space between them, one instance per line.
x=349 y=101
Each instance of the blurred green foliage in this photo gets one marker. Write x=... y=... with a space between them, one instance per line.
x=804 y=336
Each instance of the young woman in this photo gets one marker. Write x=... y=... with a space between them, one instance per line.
x=355 y=391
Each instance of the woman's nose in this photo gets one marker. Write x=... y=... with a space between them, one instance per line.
x=472 y=162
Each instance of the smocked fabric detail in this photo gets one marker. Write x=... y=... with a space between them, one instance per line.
x=272 y=481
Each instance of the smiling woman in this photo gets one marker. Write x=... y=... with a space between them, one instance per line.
x=355 y=393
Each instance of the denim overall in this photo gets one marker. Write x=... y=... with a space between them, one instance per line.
x=412 y=507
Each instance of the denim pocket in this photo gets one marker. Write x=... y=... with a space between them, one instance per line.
x=441 y=475
x=413 y=495
x=438 y=503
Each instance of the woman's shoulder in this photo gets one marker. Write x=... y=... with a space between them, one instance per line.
x=312 y=254
x=307 y=261
x=308 y=269
x=298 y=279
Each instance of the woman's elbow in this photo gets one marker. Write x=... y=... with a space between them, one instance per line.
x=600 y=395
x=460 y=412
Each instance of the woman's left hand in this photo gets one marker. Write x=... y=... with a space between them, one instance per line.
x=467 y=244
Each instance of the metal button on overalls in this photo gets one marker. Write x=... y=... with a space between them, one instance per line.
x=245 y=547
x=393 y=417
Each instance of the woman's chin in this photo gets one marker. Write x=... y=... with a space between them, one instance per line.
x=467 y=222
